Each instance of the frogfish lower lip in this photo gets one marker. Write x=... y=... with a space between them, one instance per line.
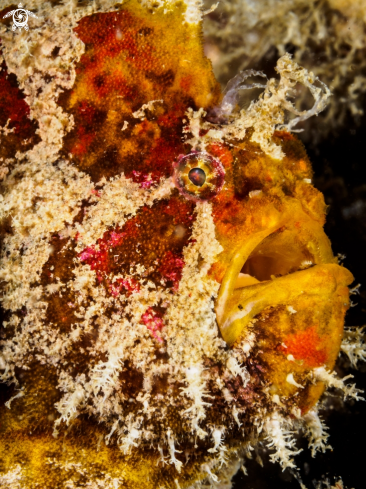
x=242 y=297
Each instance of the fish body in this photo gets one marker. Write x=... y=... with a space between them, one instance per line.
x=170 y=294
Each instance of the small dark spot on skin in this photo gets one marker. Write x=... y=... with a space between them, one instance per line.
x=145 y=31
x=240 y=307
x=197 y=176
x=55 y=51
x=99 y=81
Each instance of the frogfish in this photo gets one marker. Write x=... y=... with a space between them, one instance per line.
x=171 y=301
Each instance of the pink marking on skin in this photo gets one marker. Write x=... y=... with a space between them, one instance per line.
x=171 y=268
x=95 y=192
x=96 y=259
x=116 y=239
x=129 y=284
x=145 y=181
x=153 y=322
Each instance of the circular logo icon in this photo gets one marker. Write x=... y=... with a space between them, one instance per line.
x=20 y=19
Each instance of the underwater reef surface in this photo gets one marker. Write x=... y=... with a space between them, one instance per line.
x=172 y=304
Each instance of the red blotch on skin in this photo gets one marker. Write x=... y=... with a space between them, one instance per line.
x=84 y=142
x=173 y=119
x=87 y=111
x=129 y=285
x=145 y=181
x=307 y=346
x=171 y=268
x=112 y=254
x=154 y=323
x=13 y=106
x=97 y=258
x=268 y=178
x=158 y=163
x=182 y=211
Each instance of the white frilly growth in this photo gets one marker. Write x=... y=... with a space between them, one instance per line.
x=172 y=451
x=353 y=345
x=12 y=479
x=72 y=401
x=331 y=380
x=21 y=393
x=212 y=476
x=265 y=115
x=236 y=369
x=293 y=74
x=113 y=429
x=316 y=432
x=236 y=416
x=219 y=447
x=162 y=456
x=193 y=14
x=217 y=435
x=196 y=390
x=290 y=379
x=281 y=440
x=104 y=377
x=130 y=433
x=8 y=375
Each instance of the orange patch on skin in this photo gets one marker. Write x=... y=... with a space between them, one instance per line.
x=222 y=153
x=268 y=178
x=186 y=82
x=217 y=272
x=302 y=165
x=308 y=346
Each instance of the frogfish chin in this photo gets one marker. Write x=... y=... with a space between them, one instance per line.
x=170 y=298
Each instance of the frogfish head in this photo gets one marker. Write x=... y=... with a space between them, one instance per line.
x=171 y=297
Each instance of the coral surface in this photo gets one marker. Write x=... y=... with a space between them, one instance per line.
x=171 y=299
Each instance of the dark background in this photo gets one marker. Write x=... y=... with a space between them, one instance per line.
x=339 y=164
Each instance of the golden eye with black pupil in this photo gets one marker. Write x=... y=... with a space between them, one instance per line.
x=198 y=176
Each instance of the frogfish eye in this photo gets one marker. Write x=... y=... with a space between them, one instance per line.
x=198 y=176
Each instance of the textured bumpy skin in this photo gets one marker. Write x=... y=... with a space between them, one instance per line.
x=154 y=331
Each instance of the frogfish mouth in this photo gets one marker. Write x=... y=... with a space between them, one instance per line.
x=171 y=299
x=283 y=282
